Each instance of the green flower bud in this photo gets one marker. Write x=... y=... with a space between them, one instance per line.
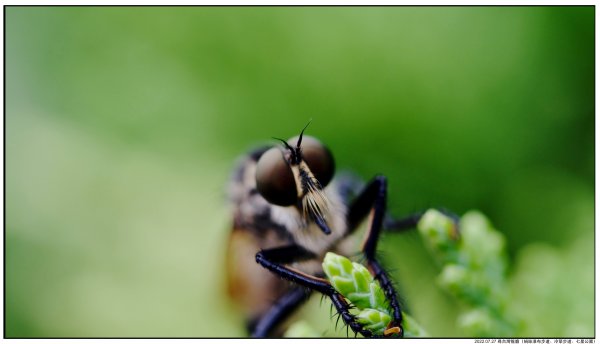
x=362 y=277
x=454 y=277
x=480 y=240
x=439 y=233
x=336 y=265
x=373 y=320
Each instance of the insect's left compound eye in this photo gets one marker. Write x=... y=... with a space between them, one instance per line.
x=274 y=178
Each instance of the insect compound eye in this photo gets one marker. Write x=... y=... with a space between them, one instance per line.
x=318 y=158
x=274 y=178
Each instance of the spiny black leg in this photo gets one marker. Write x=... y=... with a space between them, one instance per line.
x=344 y=310
x=273 y=259
x=286 y=254
x=403 y=224
x=363 y=203
x=390 y=293
x=284 y=307
x=411 y=221
x=373 y=200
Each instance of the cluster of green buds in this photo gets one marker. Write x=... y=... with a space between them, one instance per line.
x=372 y=309
x=474 y=263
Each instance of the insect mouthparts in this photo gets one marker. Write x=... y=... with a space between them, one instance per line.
x=323 y=225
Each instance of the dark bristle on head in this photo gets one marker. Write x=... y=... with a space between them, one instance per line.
x=285 y=143
x=296 y=156
x=302 y=133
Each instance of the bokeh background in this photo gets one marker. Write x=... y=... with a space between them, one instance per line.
x=123 y=123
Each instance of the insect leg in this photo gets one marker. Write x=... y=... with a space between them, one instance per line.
x=410 y=222
x=404 y=224
x=274 y=260
x=284 y=307
x=373 y=201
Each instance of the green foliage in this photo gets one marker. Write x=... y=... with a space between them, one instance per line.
x=544 y=272
x=473 y=269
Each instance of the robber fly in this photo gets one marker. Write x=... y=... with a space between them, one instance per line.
x=288 y=211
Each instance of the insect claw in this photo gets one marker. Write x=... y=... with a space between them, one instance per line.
x=392 y=330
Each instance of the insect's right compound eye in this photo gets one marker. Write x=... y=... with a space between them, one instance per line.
x=274 y=178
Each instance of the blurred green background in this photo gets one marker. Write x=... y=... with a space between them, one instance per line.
x=122 y=126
